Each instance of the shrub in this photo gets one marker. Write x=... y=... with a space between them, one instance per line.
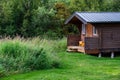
x=17 y=55
x=13 y=55
x=1 y=71
x=12 y=49
x=38 y=60
x=61 y=45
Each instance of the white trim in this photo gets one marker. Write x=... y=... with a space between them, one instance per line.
x=95 y=32
x=75 y=15
x=83 y=29
x=81 y=19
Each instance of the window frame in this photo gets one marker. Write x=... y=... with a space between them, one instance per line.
x=95 y=31
x=83 y=29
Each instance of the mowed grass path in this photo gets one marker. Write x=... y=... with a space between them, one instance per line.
x=76 y=66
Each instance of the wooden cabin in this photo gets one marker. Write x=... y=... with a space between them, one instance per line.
x=98 y=32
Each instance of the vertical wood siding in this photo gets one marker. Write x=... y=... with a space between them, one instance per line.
x=89 y=30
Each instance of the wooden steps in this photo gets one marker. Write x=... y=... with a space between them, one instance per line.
x=75 y=49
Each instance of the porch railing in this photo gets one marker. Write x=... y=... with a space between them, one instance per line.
x=92 y=43
x=73 y=40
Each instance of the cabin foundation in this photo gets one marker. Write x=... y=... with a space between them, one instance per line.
x=112 y=54
x=99 y=55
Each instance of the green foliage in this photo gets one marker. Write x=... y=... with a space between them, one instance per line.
x=90 y=5
x=62 y=11
x=30 y=18
x=12 y=49
x=116 y=6
x=60 y=45
x=38 y=60
x=19 y=55
x=76 y=66
x=43 y=20
x=2 y=71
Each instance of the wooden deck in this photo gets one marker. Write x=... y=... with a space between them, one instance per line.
x=75 y=49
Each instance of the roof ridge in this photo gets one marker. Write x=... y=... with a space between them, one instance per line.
x=96 y=17
x=97 y=12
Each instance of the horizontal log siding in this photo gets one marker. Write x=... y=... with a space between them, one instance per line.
x=91 y=43
x=110 y=36
x=73 y=40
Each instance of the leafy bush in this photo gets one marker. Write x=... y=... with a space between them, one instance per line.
x=38 y=60
x=17 y=55
x=61 y=45
x=12 y=49
x=1 y=71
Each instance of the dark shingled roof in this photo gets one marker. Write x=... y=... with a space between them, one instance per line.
x=96 y=17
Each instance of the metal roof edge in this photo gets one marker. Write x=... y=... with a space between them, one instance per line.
x=97 y=12
x=80 y=18
x=67 y=21
x=76 y=15
x=106 y=22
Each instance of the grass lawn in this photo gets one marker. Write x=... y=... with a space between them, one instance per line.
x=76 y=66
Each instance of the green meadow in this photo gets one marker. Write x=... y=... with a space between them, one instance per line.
x=65 y=65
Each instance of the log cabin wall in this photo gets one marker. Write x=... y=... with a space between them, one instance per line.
x=109 y=36
x=91 y=43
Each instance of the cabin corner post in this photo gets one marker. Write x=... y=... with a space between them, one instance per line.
x=112 y=54
x=100 y=55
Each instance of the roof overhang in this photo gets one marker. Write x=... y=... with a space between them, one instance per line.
x=94 y=17
x=69 y=20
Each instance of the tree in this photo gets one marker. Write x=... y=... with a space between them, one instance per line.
x=38 y=17
x=62 y=13
x=6 y=19
x=23 y=12
x=42 y=20
x=76 y=5
x=116 y=5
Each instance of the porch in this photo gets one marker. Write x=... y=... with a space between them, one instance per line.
x=91 y=44
x=75 y=49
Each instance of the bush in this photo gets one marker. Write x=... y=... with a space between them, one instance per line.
x=61 y=45
x=19 y=55
x=1 y=71
x=38 y=60
x=12 y=49
x=13 y=55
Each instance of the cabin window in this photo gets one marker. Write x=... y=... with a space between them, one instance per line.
x=83 y=28
x=94 y=30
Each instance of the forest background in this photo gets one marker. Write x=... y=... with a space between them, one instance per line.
x=31 y=18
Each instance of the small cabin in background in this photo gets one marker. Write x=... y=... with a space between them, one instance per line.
x=98 y=32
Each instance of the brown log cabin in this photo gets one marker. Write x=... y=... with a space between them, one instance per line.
x=99 y=32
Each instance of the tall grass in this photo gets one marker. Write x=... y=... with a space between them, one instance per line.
x=50 y=45
x=21 y=55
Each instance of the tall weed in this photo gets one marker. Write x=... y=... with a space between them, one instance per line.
x=21 y=55
x=2 y=71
